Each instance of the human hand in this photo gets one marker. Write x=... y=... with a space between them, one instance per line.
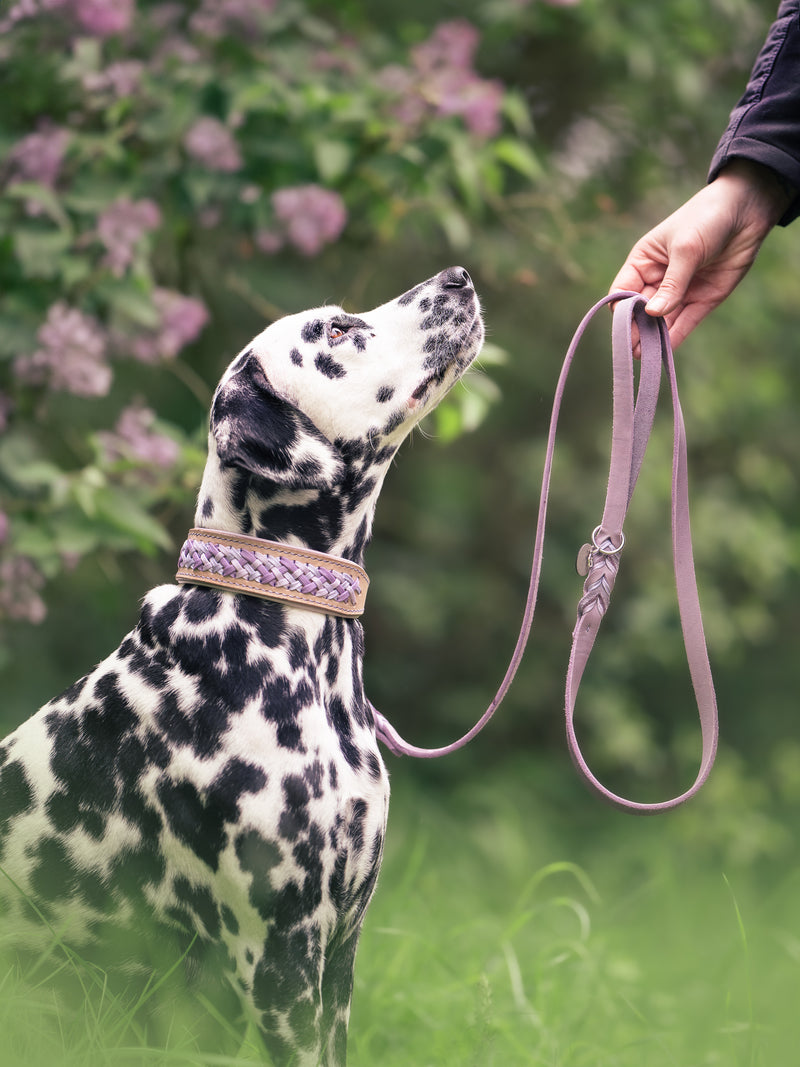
x=694 y=259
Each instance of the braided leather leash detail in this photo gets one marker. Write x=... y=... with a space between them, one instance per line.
x=632 y=423
x=273 y=571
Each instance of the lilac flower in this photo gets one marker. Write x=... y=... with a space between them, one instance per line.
x=476 y=100
x=20 y=582
x=212 y=144
x=104 y=18
x=451 y=45
x=133 y=437
x=72 y=356
x=218 y=17
x=119 y=79
x=121 y=227
x=442 y=80
x=38 y=158
x=309 y=217
x=28 y=9
x=182 y=320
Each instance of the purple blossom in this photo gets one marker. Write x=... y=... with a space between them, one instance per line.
x=38 y=158
x=476 y=100
x=219 y=17
x=133 y=437
x=182 y=320
x=103 y=18
x=308 y=216
x=442 y=80
x=20 y=582
x=121 y=227
x=28 y=9
x=71 y=357
x=452 y=45
x=119 y=79
x=212 y=144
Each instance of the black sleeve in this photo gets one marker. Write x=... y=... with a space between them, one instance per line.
x=765 y=124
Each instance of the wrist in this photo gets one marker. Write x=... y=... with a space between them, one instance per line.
x=758 y=187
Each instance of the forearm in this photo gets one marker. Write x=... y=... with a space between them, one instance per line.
x=764 y=127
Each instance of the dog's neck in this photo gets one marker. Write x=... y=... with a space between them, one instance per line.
x=335 y=520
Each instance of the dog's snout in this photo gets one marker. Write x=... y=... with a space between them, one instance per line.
x=456 y=278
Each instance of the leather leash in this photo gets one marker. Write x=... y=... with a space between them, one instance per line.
x=599 y=560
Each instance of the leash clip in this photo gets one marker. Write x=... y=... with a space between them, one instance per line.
x=585 y=560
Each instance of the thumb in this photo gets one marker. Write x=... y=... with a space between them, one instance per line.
x=675 y=283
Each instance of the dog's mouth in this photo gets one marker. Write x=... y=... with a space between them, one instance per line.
x=426 y=384
x=454 y=356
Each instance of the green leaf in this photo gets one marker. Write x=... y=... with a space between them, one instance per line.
x=44 y=197
x=122 y=512
x=23 y=466
x=519 y=156
x=131 y=300
x=39 y=253
x=455 y=226
x=332 y=159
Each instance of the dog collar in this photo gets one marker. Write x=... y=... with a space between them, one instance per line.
x=272 y=570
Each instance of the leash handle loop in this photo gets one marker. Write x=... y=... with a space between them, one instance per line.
x=632 y=423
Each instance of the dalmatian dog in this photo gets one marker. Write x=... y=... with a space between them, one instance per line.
x=213 y=793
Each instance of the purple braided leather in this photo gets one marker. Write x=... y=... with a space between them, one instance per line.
x=279 y=572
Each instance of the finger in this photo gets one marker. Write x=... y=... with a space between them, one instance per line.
x=680 y=270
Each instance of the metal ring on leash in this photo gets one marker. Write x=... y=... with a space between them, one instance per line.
x=607 y=551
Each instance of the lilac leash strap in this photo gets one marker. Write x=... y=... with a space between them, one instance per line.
x=632 y=423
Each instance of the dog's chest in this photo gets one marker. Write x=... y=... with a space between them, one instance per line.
x=217 y=770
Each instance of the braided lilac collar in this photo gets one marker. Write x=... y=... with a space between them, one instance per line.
x=273 y=571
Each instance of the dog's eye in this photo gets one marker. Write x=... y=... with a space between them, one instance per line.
x=337 y=331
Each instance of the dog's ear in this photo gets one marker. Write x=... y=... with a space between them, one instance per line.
x=260 y=432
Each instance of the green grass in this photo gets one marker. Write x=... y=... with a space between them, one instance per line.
x=506 y=931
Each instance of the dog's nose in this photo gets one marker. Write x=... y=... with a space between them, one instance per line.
x=455 y=278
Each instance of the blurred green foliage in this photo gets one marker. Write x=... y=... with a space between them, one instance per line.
x=533 y=148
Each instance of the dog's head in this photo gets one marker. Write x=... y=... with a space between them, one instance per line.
x=320 y=385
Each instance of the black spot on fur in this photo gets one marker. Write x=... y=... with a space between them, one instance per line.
x=137 y=867
x=16 y=794
x=384 y=394
x=328 y=366
x=312 y=775
x=296 y=357
x=344 y=731
x=71 y=695
x=257 y=856
x=195 y=820
x=298 y=650
x=393 y=422
x=154 y=626
x=407 y=298
x=55 y=876
x=294 y=816
x=229 y=921
x=313 y=331
x=201 y=604
x=201 y=901
x=208 y=508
